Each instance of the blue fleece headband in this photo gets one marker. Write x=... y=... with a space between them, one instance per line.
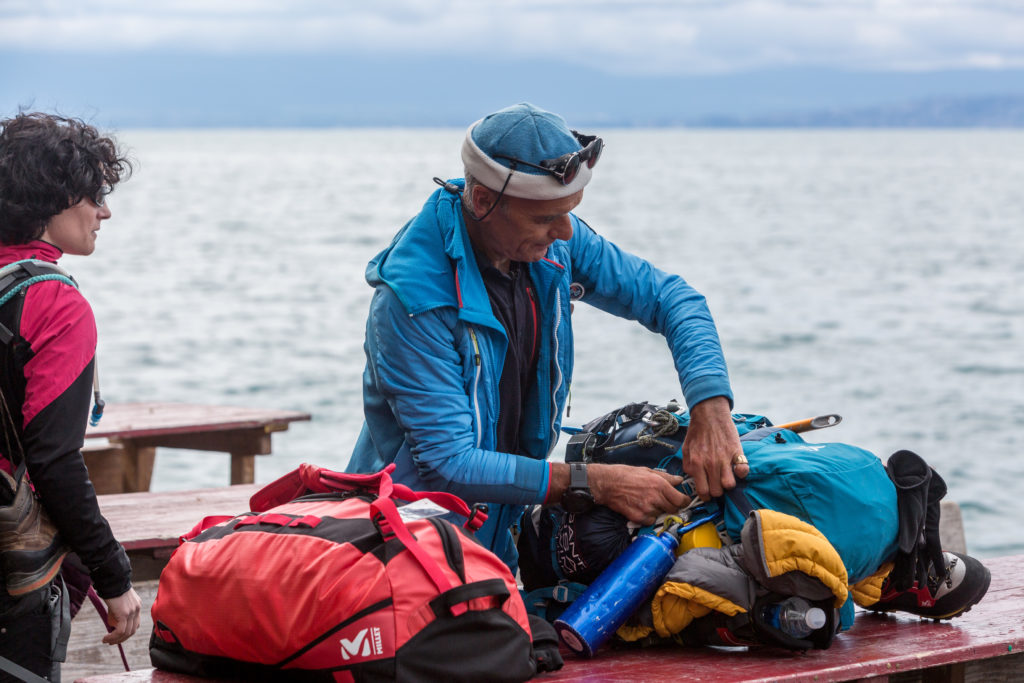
x=524 y=132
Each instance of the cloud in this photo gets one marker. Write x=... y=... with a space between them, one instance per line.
x=643 y=37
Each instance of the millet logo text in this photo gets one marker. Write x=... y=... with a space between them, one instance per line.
x=367 y=642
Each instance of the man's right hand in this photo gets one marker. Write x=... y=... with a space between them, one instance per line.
x=640 y=494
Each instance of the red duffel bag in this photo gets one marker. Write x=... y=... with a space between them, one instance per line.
x=328 y=579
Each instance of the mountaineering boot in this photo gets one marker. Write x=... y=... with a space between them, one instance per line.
x=30 y=548
x=961 y=586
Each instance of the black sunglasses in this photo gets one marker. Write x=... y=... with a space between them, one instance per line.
x=100 y=198
x=566 y=167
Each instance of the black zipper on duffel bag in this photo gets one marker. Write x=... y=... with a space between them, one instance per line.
x=452 y=547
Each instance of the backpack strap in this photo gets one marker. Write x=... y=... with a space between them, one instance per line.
x=17 y=276
x=19 y=672
x=539 y=600
x=738 y=497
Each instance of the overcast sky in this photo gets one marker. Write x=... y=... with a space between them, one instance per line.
x=618 y=38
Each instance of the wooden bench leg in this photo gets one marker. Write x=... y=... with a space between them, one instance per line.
x=106 y=467
x=243 y=468
x=138 y=466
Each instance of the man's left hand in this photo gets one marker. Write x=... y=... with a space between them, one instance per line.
x=712 y=454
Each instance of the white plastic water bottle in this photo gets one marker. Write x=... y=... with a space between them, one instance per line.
x=795 y=617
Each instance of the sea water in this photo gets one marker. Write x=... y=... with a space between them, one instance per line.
x=872 y=273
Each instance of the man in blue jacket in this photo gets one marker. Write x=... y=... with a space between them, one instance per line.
x=469 y=340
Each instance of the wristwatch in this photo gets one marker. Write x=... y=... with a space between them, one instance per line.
x=577 y=498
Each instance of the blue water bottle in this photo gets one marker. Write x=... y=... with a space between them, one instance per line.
x=621 y=588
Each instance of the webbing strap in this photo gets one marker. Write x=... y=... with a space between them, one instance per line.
x=19 y=672
x=15 y=277
x=12 y=278
x=29 y=282
x=308 y=521
x=385 y=507
x=739 y=498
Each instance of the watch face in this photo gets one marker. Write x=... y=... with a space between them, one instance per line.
x=577 y=500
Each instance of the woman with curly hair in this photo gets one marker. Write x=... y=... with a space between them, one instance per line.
x=55 y=175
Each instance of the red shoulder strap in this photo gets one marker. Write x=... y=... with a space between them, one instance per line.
x=391 y=523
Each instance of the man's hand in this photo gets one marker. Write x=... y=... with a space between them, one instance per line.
x=712 y=454
x=123 y=613
x=639 y=494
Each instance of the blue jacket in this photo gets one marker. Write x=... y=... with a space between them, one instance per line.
x=435 y=352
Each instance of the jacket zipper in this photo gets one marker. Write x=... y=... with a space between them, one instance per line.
x=476 y=384
x=558 y=371
x=533 y=312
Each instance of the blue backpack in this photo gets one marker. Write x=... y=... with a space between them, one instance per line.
x=842 y=490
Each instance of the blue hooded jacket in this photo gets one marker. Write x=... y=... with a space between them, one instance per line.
x=435 y=353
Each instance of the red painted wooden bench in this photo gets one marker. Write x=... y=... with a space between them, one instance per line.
x=984 y=644
x=148 y=524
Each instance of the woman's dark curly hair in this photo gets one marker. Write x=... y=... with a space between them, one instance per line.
x=49 y=163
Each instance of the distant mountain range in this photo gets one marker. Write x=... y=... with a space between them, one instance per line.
x=1005 y=111
x=177 y=90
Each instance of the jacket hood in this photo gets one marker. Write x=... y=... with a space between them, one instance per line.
x=430 y=262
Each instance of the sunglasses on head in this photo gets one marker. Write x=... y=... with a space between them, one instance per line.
x=566 y=167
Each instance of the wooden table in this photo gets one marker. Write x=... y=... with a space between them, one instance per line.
x=983 y=645
x=136 y=430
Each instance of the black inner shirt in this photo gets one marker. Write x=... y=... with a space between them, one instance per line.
x=512 y=301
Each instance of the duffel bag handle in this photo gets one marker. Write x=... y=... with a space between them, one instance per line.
x=383 y=485
x=312 y=479
x=308 y=478
x=447 y=602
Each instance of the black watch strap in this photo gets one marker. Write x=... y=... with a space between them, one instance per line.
x=578 y=476
x=577 y=497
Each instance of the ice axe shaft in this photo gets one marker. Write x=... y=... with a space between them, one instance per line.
x=807 y=425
